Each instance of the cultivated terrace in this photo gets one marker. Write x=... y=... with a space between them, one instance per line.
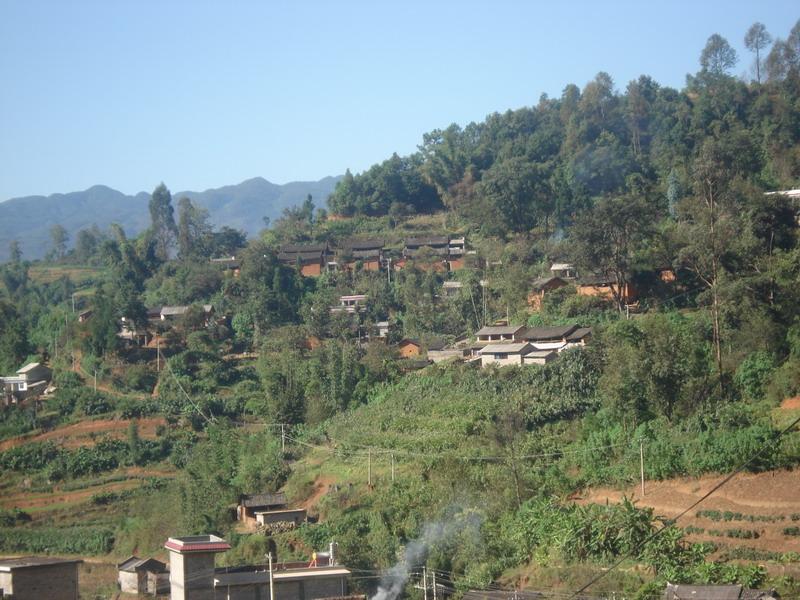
x=607 y=285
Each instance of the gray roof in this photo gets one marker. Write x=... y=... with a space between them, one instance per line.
x=134 y=563
x=501 y=595
x=499 y=330
x=579 y=334
x=543 y=281
x=266 y=499
x=431 y=240
x=28 y=368
x=291 y=257
x=557 y=332
x=10 y=564
x=518 y=348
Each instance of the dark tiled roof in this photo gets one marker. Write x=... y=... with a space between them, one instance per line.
x=292 y=257
x=253 y=500
x=302 y=248
x=437 y=345
x=9 y=564
x=596 y=279
x=547 y=333
x=579 y=334
x=540 y=283
x=432 y=240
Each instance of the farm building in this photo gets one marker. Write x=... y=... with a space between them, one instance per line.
x=35 y=577
x=143 y=576
x=251 y=504
x=193 y=575
x=29 y=381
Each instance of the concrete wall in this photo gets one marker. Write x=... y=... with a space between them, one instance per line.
x=54 y=582
x=129 y=582
x=511 y=359
x=191 y=576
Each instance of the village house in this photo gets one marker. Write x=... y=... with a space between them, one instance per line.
x=564 y=270
x=380 y=330
x=251 y=504
x=230 y=264
x=602 y=286
x=451 y=288
x=169 y=313
x=193 y=575
x=28 y=382
x=312 y=259
x=431 y=252
x=367 y=253
x=409 y=348
x=39 y=577
x=542 y=286
x=85 y=315
x=498 y=333
x=143 y=576
x=456 y=249
x=504 y=354
x=355 y=303
x=438 y=352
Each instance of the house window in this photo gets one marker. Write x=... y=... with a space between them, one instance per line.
x=500 y=356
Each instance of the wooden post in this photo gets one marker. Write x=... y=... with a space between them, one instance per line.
x=283 y=439
x=369 y=468
x=392 y=467
x=425 y=583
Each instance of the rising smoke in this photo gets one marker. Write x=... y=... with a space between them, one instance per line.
x=416 y=551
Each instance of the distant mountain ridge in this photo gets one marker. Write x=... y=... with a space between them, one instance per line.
x=242 y=206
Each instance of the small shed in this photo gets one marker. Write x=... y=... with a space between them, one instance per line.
x=143 y=576
x=409 y=348
x=504 y=354
x=250 y=504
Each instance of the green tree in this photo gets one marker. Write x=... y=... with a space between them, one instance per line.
x=14 y=251
x=162 y=221
x=607 y=239
x=756 y=39
x=718 y=56
x=194 y=230
x=59 y=237
x=13 y=338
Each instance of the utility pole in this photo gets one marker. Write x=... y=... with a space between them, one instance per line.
x=369 y=468
x=425 y=583
x=433 y=576
x=73 y=304
x=392 y=467
x=95 y=380
x=271 y=586
x=158 y=353
x=283 y=439
x=641 y=463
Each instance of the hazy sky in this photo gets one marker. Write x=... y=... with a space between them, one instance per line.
x=202 y=94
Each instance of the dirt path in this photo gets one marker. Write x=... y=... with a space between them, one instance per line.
x=774 y=494
x=83 y=433
x=321 y=486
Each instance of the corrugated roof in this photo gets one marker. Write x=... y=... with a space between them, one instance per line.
x=562 y=267
x=28 y=368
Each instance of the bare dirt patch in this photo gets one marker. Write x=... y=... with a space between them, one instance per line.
x=86 y=432
x=791 y=403
x=774 y=494
x=321 y=486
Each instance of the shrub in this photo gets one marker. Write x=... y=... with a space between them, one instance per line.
x=793 y=531
x=55 y=540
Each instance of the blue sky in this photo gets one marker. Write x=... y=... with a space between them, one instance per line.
x=202 y=94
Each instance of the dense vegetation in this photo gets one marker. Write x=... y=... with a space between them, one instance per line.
x=480 y=465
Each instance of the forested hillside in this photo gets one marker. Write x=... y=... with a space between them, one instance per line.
x=302 y=361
